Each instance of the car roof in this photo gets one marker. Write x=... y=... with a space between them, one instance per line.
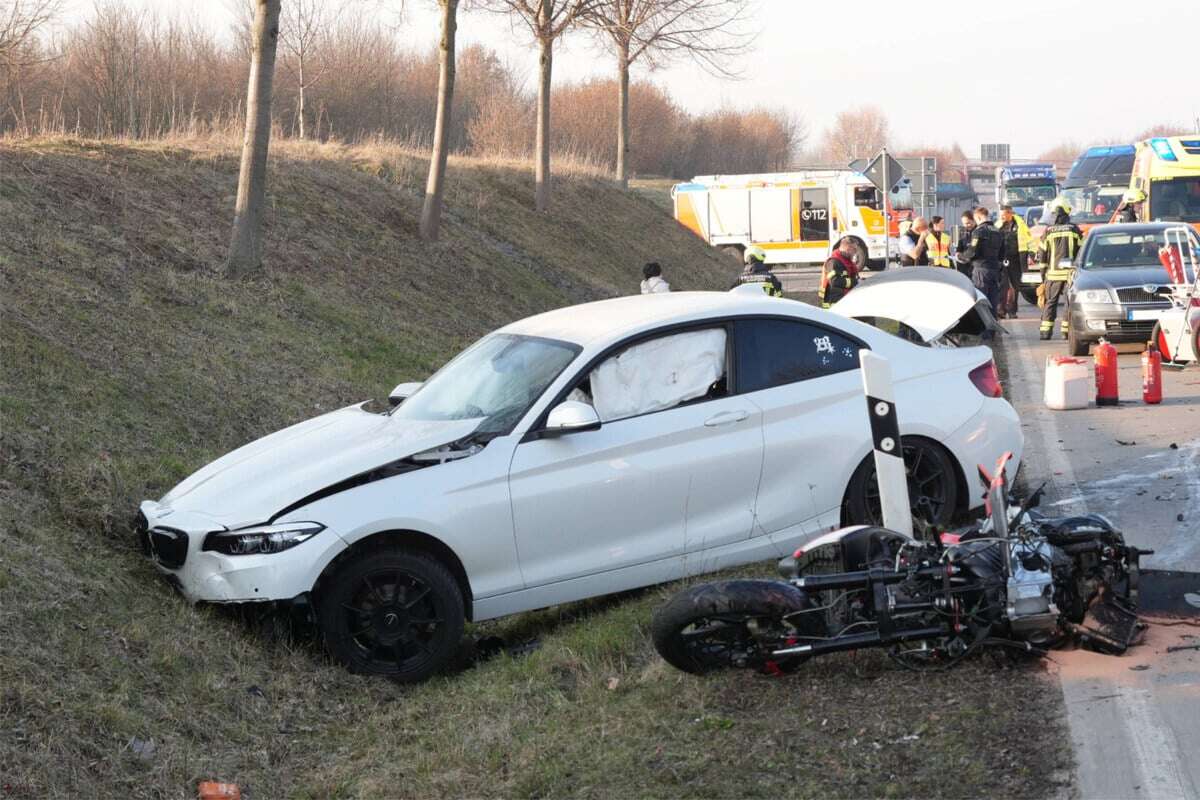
x=608 y=319
x=1138 y=227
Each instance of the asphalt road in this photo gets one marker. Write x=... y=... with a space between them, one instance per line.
x=1134 y=719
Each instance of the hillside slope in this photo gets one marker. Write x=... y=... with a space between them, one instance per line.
x=126 y=362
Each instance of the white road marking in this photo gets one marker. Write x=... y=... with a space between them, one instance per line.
x=1155 y=754
x=1152 y=748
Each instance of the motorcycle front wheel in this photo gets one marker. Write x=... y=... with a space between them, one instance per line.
x=733 y=624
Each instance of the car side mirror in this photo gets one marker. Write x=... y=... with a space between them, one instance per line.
x=571 y=416
x=403 y=392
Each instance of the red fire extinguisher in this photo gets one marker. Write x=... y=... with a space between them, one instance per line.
x=1106 y=374
x=1152 y=375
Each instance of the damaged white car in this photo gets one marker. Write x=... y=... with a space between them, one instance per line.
x=586 y=451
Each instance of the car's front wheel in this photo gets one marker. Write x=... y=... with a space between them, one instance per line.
x=1075 y=345
x=393 y=612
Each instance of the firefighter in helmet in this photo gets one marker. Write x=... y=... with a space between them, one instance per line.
x=839 y=275
x=1056 y=254
x=1127 y=211
x=758 y=272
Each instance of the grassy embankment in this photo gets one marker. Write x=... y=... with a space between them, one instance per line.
x=127 y=362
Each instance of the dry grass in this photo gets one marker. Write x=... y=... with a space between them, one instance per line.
x=126 y=361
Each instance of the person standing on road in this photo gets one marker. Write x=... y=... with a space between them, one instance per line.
x=964 y=241
x=983 y=252
x=652 y=279
x=839 y=275
x=758 y=272
x=1014 y=257
x=912 y=244
x=937 y=243
x=1059 y=244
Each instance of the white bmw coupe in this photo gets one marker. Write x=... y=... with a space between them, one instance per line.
x=586 y=451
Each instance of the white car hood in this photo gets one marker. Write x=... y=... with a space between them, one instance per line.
x=260 y=479
x=933 y=301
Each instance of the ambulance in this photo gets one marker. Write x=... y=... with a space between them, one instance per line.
x=1167 y=170
x=796 y=217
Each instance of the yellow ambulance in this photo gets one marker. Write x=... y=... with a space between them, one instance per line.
x=1167 y=170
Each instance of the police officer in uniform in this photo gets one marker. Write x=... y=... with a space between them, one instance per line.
x=839 y=275
x=983 y=252
x=758 y=272
x=1059 y=243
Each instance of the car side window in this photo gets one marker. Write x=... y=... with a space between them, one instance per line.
x=774 y=352
x=658 y=374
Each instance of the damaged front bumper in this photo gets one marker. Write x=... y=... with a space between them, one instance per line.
x=174 y=541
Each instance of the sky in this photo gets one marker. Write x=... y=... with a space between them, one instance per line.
x=942 y=72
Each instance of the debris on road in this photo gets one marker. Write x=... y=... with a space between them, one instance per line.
x=1175 y=648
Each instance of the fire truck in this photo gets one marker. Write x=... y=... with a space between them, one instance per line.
x=796 y=217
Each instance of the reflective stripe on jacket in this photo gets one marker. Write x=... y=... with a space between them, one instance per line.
x=1060 y=243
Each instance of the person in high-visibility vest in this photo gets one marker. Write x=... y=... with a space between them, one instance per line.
x=839 y=274
x=1059 y=244
x=937 y=243
x=1127 y=211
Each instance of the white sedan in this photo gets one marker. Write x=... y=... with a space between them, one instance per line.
x=586 y=451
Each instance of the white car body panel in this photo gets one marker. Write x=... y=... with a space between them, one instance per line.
x=535 y=521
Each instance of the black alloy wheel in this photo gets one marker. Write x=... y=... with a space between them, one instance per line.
x=932 y=486
x=392 y=612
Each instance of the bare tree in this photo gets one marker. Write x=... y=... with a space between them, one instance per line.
x=857 y=133
x=431 y=212
x=304 y=26
x=656 y=31
x=546 y=20
x=20 y=22
x=245 y=251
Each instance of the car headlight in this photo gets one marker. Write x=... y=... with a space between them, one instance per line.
x=1095 y=296
x=262 y=539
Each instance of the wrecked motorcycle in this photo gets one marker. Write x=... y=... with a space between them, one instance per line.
x=1019 y=579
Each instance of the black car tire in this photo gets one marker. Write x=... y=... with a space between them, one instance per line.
x=932 y=486
x=735 y=252
x=1076 y=346
x=391 y=611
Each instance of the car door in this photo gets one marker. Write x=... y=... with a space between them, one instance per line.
x=805 y=377
x=674 y=464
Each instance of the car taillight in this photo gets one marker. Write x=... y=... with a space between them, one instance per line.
x=987 y=380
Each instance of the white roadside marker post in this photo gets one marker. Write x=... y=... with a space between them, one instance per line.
x=885 y=435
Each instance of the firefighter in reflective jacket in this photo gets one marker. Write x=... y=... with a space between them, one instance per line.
x=757 y=271
x=839 y=275
x=937 y=243
x=1059 y=243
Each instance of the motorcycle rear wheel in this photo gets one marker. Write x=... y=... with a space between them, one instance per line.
x=732 y=624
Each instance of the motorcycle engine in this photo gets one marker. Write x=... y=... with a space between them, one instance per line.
x=1030 y=608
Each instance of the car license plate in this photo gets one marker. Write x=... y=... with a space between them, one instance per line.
x=1143 y=313
x=1031 y=277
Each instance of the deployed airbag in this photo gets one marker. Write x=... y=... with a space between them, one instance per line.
x=658 y=374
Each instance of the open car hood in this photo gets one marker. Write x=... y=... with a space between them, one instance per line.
x=933 y=301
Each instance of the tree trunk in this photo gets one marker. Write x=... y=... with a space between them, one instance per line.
x=245 y=251
x=431 y=212
x=541 y=192
x=623 y=114
x=300 y=100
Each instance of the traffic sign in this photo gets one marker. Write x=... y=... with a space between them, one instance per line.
x=884 y=171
